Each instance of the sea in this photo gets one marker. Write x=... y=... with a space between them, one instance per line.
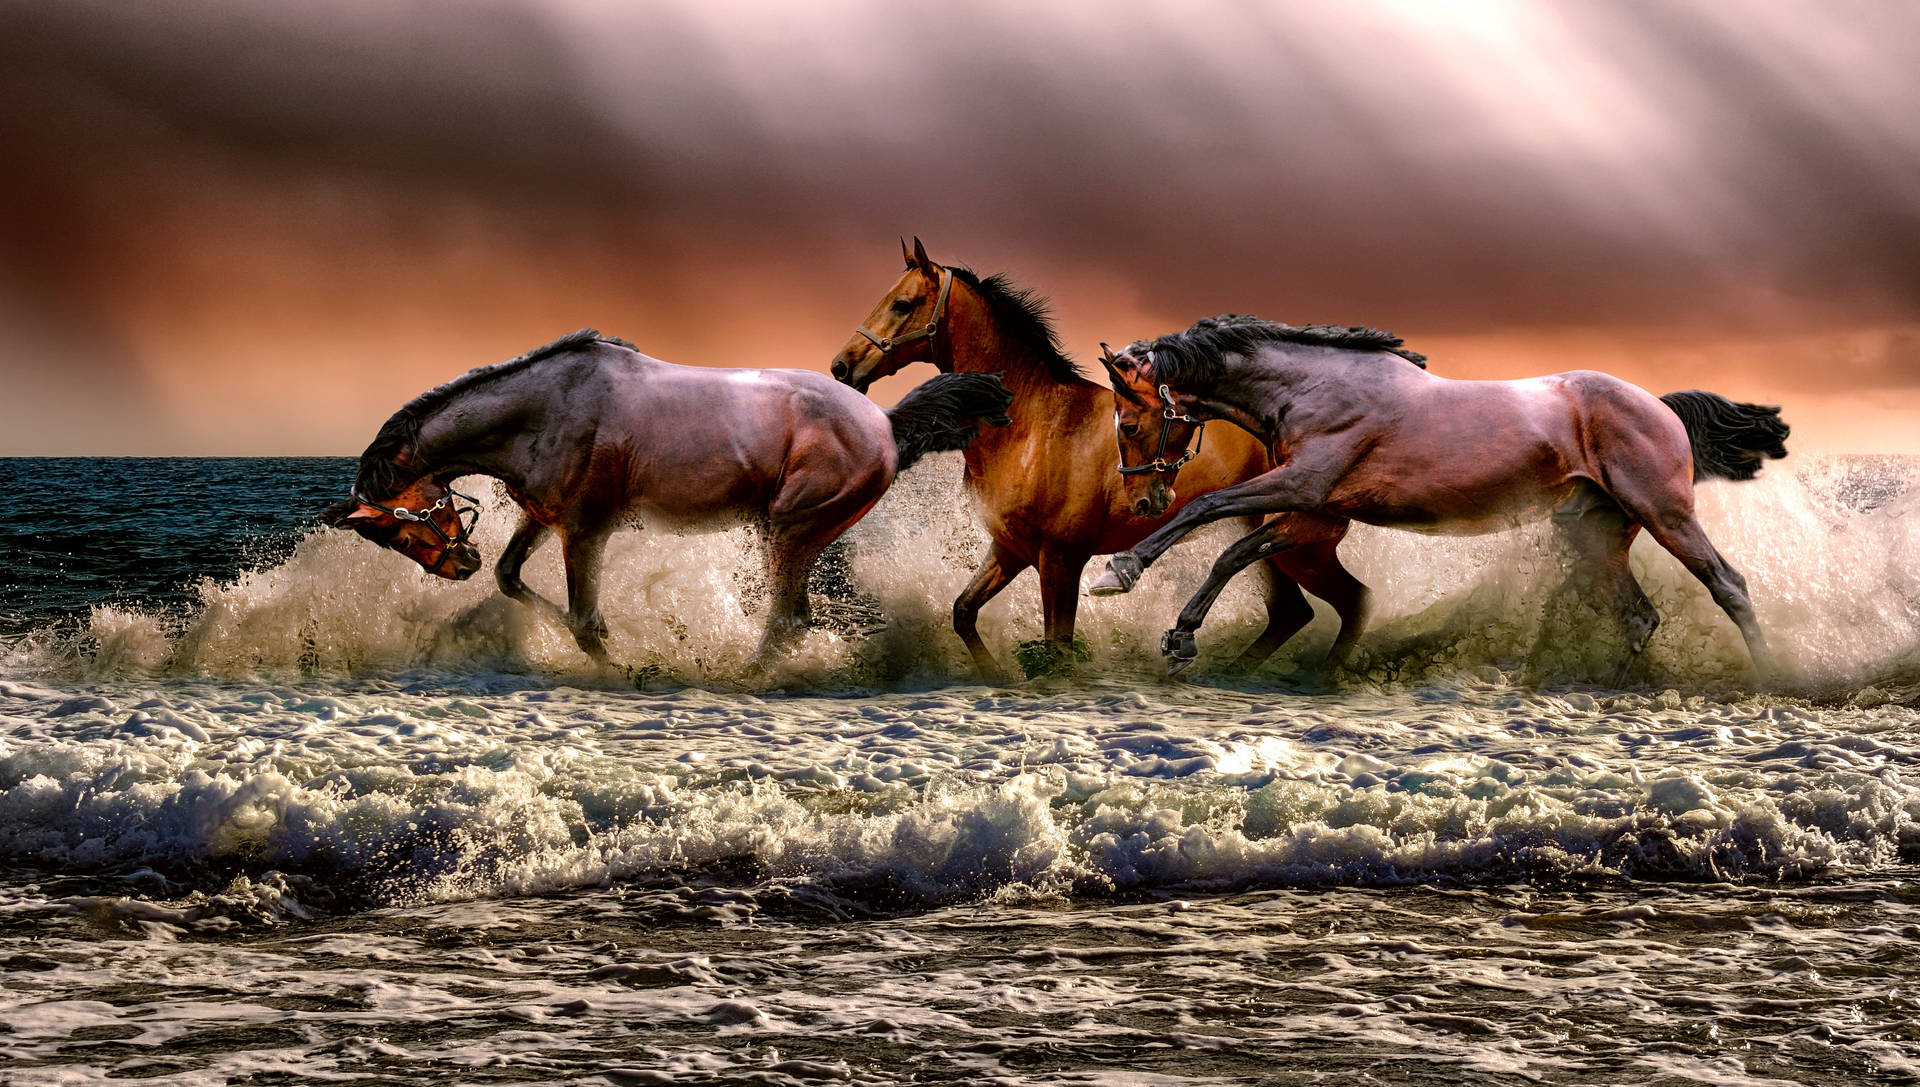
x=276 y=807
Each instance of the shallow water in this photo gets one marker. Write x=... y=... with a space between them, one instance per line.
x=286 y=810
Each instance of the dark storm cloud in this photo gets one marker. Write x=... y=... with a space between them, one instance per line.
x=1493 y=162
x=1443 y=168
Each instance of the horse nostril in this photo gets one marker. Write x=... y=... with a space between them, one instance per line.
x=839 y=368
x=1140 y=506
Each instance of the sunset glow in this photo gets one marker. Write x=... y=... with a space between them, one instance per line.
x=256 y=233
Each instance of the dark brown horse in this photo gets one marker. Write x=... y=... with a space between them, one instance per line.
x=1358 y=432
x=1047 y=488
x=588 y=435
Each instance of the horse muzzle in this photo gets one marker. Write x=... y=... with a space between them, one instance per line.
x=459 y=563
x=1159 y=497
x=848 y=370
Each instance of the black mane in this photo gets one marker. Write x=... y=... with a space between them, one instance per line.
x=380 y=477
x=1022 y=316
x=1195 y=354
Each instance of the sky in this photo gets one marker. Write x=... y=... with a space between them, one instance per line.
x=258 y=228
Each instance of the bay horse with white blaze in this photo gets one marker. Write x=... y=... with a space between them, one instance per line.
x=588 y=434
x=1359 y=434
x=1048 y=494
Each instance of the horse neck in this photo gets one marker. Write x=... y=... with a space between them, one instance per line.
x=979 y=347
x=485 y=430
x=1245 y=394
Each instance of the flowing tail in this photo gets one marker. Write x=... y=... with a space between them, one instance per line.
x=1730 y=440
x=940 y=414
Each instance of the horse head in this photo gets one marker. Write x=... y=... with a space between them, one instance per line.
x=904 y=327
x=424 y=521
x=1152 y=429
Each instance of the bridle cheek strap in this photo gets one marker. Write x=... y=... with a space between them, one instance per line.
x=425 y=517
x=928 y=331
x=1170 y=413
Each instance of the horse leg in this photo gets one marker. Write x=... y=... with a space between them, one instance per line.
x=1178 y=644
x=795 y=537
x=1288 y=612
x=1315 y=566
x=1303 y=483
x=1663 y=504
x=582 y=551
x=790 y=558
x=1599 y=534
x=1682 y=536
x=1060 y=597
x=506 y=573
x=999 y=569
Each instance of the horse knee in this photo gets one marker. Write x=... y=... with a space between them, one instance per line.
x=966 y=617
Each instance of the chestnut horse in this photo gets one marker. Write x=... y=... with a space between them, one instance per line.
x=1046 y=485
x=1359 y=433
x=589 y=434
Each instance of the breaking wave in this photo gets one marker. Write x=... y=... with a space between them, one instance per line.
x=335 y=729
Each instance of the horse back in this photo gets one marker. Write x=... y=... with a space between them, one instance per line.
x=701 y=442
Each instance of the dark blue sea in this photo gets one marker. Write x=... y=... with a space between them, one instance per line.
x=277 y=807
x=141 y=532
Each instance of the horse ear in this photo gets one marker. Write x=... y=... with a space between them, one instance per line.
x=1117 y=364
x=920 y=253
x=1121 y=387
x=905 y=253
x=346 y=512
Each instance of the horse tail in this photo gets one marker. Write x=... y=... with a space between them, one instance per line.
x=1729 y=439
x=940 y=414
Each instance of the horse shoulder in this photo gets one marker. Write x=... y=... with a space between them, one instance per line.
x=1044 y=478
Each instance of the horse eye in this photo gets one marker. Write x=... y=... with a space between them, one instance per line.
x=905 y=305
x=1130 y=430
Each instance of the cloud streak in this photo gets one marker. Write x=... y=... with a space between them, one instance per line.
x=193 y=179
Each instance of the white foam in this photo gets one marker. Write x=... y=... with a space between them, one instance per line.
x=950 y=795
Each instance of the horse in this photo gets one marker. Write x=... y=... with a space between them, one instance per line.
x=1360 y=432
x=588 y=435
x=1045 y=485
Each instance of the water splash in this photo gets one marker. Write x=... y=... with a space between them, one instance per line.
x=1830 y=550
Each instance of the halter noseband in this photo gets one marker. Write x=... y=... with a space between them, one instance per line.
x=928 y=331
x=1169 y=414
x=466 y=517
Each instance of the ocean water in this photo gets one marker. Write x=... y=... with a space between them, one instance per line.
x=275 y=807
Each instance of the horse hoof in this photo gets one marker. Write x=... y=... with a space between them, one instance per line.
x=1123 y=571
x=1179 y=648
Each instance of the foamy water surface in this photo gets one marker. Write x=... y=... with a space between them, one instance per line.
x=337 y=821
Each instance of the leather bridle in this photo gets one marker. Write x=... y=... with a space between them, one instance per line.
x=1170 y=413
x=465 y=516
x=928 y=331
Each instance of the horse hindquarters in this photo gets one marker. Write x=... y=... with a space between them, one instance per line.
x=1653 y=487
